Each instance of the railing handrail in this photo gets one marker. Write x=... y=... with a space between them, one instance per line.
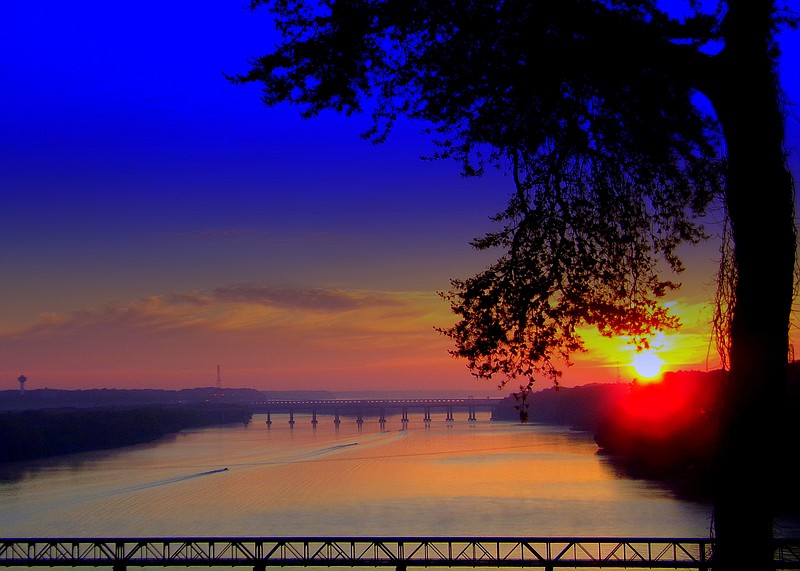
x=398 y=552
x=416 y=401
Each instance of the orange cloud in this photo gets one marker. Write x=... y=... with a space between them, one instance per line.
x=262 y=336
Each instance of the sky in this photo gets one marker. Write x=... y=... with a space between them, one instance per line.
x=158 y=221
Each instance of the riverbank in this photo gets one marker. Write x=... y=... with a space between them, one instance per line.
x=35 y=434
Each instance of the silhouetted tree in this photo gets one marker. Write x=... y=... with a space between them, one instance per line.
x=596 y=107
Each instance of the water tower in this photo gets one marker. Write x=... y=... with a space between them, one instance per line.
x=22 y=379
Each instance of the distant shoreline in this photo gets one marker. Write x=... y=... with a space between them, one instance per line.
x=32 y=399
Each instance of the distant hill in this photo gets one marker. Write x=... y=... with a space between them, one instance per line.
x=12 y=400
x=91 y=398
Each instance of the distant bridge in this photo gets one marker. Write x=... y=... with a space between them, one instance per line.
x=400 y=553
x=381 y=408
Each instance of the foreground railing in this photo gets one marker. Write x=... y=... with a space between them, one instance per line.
x=400 y=553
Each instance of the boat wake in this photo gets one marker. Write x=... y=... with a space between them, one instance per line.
x=169 y=481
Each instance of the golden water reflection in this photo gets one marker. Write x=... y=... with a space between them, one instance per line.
x=481 y=478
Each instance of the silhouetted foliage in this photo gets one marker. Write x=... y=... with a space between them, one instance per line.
x=591 y=105
x=610 y=156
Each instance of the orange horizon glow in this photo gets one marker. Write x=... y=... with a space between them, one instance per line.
x=303 y=339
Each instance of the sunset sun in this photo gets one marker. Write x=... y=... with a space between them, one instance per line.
x=647 y=365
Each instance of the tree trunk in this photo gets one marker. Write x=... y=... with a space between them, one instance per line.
x=759 y=196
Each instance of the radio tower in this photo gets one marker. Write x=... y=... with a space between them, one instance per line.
x=219 y=380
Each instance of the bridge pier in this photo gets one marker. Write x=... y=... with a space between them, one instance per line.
x=363 y=408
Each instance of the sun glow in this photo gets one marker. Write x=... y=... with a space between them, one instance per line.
x=647 y=365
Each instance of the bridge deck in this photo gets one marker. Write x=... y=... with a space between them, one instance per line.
x=375 y=404
x=400 y=553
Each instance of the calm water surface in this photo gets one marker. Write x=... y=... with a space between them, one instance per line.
x=449 y=479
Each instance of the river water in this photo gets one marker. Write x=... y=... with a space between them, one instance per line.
x=483 y=478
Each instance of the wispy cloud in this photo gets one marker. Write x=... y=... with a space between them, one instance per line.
x=308 y=299
x=291 y=333
x=246 y=306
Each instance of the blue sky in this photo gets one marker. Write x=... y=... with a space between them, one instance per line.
x=158 y=220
